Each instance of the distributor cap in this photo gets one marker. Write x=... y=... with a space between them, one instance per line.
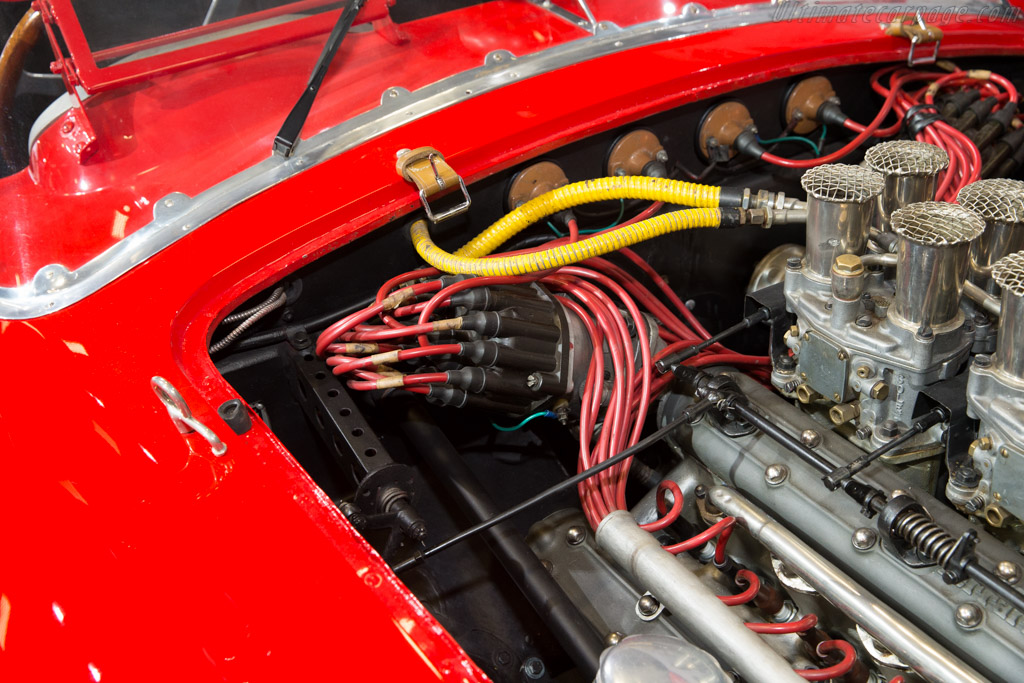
x=842 y=183
x=907 y=157
x=1008 y=272
x=998 y=199
x=937 y=224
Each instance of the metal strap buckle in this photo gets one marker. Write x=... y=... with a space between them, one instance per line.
x=918 y=33
x=426 y=168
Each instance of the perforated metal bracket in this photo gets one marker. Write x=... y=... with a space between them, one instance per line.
x=426 y=168
x=182 y=416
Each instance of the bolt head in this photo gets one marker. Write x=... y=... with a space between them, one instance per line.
x=889 y=429
x=864 y=321
x=863 y=432
x=613 y=638
x=575 y=535
x=533 y=668
x=864 y=538
x=776 y=474
x=968 y=615
x=982 y=361
x=794 y=263
x=1010 y=572
x=648 y=605
x=661 y=156
x=879 y=391
x=848 y=264
x=810 y=438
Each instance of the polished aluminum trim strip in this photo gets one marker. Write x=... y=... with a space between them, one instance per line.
x=55 y=287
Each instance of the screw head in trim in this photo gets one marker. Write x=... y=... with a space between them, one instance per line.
x=864 y=538
x=648 y=605
x=968 y=615
x=776 y=474
x=810 y=438
x=575 y=535
x=1010 y=572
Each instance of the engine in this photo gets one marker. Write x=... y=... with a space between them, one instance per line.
x=676 y=475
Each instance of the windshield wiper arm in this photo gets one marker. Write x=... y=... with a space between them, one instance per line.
x=288 y=136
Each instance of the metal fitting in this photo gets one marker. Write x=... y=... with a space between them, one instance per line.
x=810 y=438
x=968 y=615
x=864 y=538
x=648 y=606
x=776 y=474
x=575 y=535
x=889 y=429
x=613 y=638
x=843 y=413
x=848 y=265
x=1010 y=572
x=879 y=391
x=805 y=394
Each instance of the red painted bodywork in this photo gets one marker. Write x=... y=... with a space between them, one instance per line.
x=131 y=553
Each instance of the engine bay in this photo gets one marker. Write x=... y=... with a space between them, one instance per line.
x=732 y=393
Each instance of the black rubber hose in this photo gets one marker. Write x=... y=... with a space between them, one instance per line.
x=569 y=626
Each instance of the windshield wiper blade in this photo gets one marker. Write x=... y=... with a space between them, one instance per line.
x=288 y=136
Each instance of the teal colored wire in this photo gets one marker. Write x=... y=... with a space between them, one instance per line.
x=622 y=212
x=531 y=418
x=821 y=138
x=791 y=138
x=591 y=231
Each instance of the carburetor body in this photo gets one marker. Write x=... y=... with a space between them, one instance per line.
x=989 y=486
x=875 y=329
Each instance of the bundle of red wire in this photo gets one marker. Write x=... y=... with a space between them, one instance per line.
x=964 y=156
x=364 y=345
x=395 y=328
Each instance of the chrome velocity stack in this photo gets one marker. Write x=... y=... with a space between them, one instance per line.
x=1000 y=202
x=1008 y=273
x=840 y=206
x=932 y=261
x=911 y=170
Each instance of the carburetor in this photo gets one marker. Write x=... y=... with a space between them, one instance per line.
x=874 y=329
x=989 y=484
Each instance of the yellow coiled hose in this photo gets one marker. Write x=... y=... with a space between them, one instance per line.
x=574 y=194
x=562 y=255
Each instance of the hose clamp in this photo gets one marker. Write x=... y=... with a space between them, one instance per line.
x=426 y=168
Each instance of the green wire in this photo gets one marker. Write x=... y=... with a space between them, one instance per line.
x=791 y=138
x=591 y=231
x=821 y=138
x=531 y=418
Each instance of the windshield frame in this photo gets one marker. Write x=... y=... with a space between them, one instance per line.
x=95 y=78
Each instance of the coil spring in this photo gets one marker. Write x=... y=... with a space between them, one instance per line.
x=927 y=537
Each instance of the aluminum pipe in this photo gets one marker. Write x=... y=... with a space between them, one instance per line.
x=911 y=645
x=706 y=619
x=840 y=208
x=1008 y=273
x=911 y=170
x=932 y=261
x=1000 y=203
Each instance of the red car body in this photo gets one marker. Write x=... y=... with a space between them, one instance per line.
x=130 y=551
